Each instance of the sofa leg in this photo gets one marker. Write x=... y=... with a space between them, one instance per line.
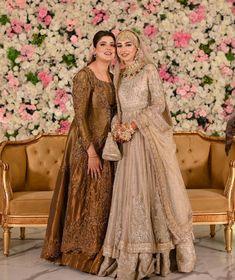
x=228 y=234
x=6 y=240
x=212 y=231
x=22 y=233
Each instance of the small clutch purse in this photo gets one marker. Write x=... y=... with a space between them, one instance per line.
x=111 y=151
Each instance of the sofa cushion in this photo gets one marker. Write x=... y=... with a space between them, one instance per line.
x=193 y=156
x=15 y=156
x=207 y=200
x=31 y=203
x=44 y=158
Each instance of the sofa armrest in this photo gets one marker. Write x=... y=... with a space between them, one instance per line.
x=229 y=186
x=6 y=189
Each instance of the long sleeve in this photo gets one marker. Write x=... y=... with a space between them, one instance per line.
x=81 y=99
x=157 y=103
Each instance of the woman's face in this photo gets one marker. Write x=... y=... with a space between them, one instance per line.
x=105 y=49
x=126 y=51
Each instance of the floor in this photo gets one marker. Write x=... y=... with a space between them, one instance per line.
x=24 y=262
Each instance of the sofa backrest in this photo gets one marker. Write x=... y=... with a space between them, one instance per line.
x=15 y=156
x=193 y=154
x=43 y=162
x=34 y=163
x=220 y=163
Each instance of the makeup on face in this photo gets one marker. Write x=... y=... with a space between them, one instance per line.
x=105 y=48
x=126 y=51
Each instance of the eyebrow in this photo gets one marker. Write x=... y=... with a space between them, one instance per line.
x=127 y=42
x=112 y=42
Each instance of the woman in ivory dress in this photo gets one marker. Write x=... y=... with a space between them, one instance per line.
x=81 y=202
x=150 y=223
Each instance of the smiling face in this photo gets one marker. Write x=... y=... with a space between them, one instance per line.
x=126 y=51
x=105 y=49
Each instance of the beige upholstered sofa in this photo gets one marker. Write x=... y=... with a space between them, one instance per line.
x=28 y=171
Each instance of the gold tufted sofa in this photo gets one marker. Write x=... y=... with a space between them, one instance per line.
x=209 y=178
x=28 y=171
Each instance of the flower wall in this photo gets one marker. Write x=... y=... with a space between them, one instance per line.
x=44 y=43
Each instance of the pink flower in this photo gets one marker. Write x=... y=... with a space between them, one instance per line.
x=4 y=116
x=21 y=3
x=197 y=15
x=226 y=70
x=166 y=76
x=189 y=115
x=186 y=91
x=64 y=126
x=27 y=27
x=201 y=56
x=17 y=26
x=45 y=78
x=27 y=52
x=115 y=31
x=42 y=12
x=60 y=99
x=10 y=34
x=181 y=39
x=99 y=16
x=13 y=82
x=150 y=31
x=28 y=113
x=66 y=1
x=70 y=24
x=151 y=6
x=74 y=39
x=47 y=20
x=9 y=6
x=131 y=7
x=223 y=47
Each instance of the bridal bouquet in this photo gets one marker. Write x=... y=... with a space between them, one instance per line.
x=122 y=132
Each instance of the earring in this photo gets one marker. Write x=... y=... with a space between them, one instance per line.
x=137 y=55
x=94 y=55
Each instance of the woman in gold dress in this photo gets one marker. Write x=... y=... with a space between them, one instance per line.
x=150 y=223
x=82 y=196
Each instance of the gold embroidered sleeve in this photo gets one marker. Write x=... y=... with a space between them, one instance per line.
x=157 y=99
x=157 y=103
x=81 y=97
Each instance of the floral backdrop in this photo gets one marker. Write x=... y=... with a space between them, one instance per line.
x=44 y=43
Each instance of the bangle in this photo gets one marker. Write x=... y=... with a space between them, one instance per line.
x=92 y=156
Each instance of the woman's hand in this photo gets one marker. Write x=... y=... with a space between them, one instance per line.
x=94 y=167
x=94 y=163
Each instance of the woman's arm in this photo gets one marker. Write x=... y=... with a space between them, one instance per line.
x=81 y=99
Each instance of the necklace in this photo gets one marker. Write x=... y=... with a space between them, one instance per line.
x=133 y=69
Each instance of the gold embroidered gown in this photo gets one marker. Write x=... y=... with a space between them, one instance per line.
x=80 y=206
x=150 y=219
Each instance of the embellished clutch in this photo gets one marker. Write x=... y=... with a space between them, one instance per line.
x=111 y=151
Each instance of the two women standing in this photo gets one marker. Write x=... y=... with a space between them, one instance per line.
x=150 y=222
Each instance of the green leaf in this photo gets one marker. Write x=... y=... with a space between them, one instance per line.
x=162 y=16
x=12 y=54
x=136 y=30
x=183 y=2
x=206 y=80
x=38 y=39
x=69 y=59
x=205 y=48
x=4 y=19
x=32 y=78
x=216 y=134
x=230 y=56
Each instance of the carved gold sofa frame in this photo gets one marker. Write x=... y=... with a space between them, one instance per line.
x=28 y=171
